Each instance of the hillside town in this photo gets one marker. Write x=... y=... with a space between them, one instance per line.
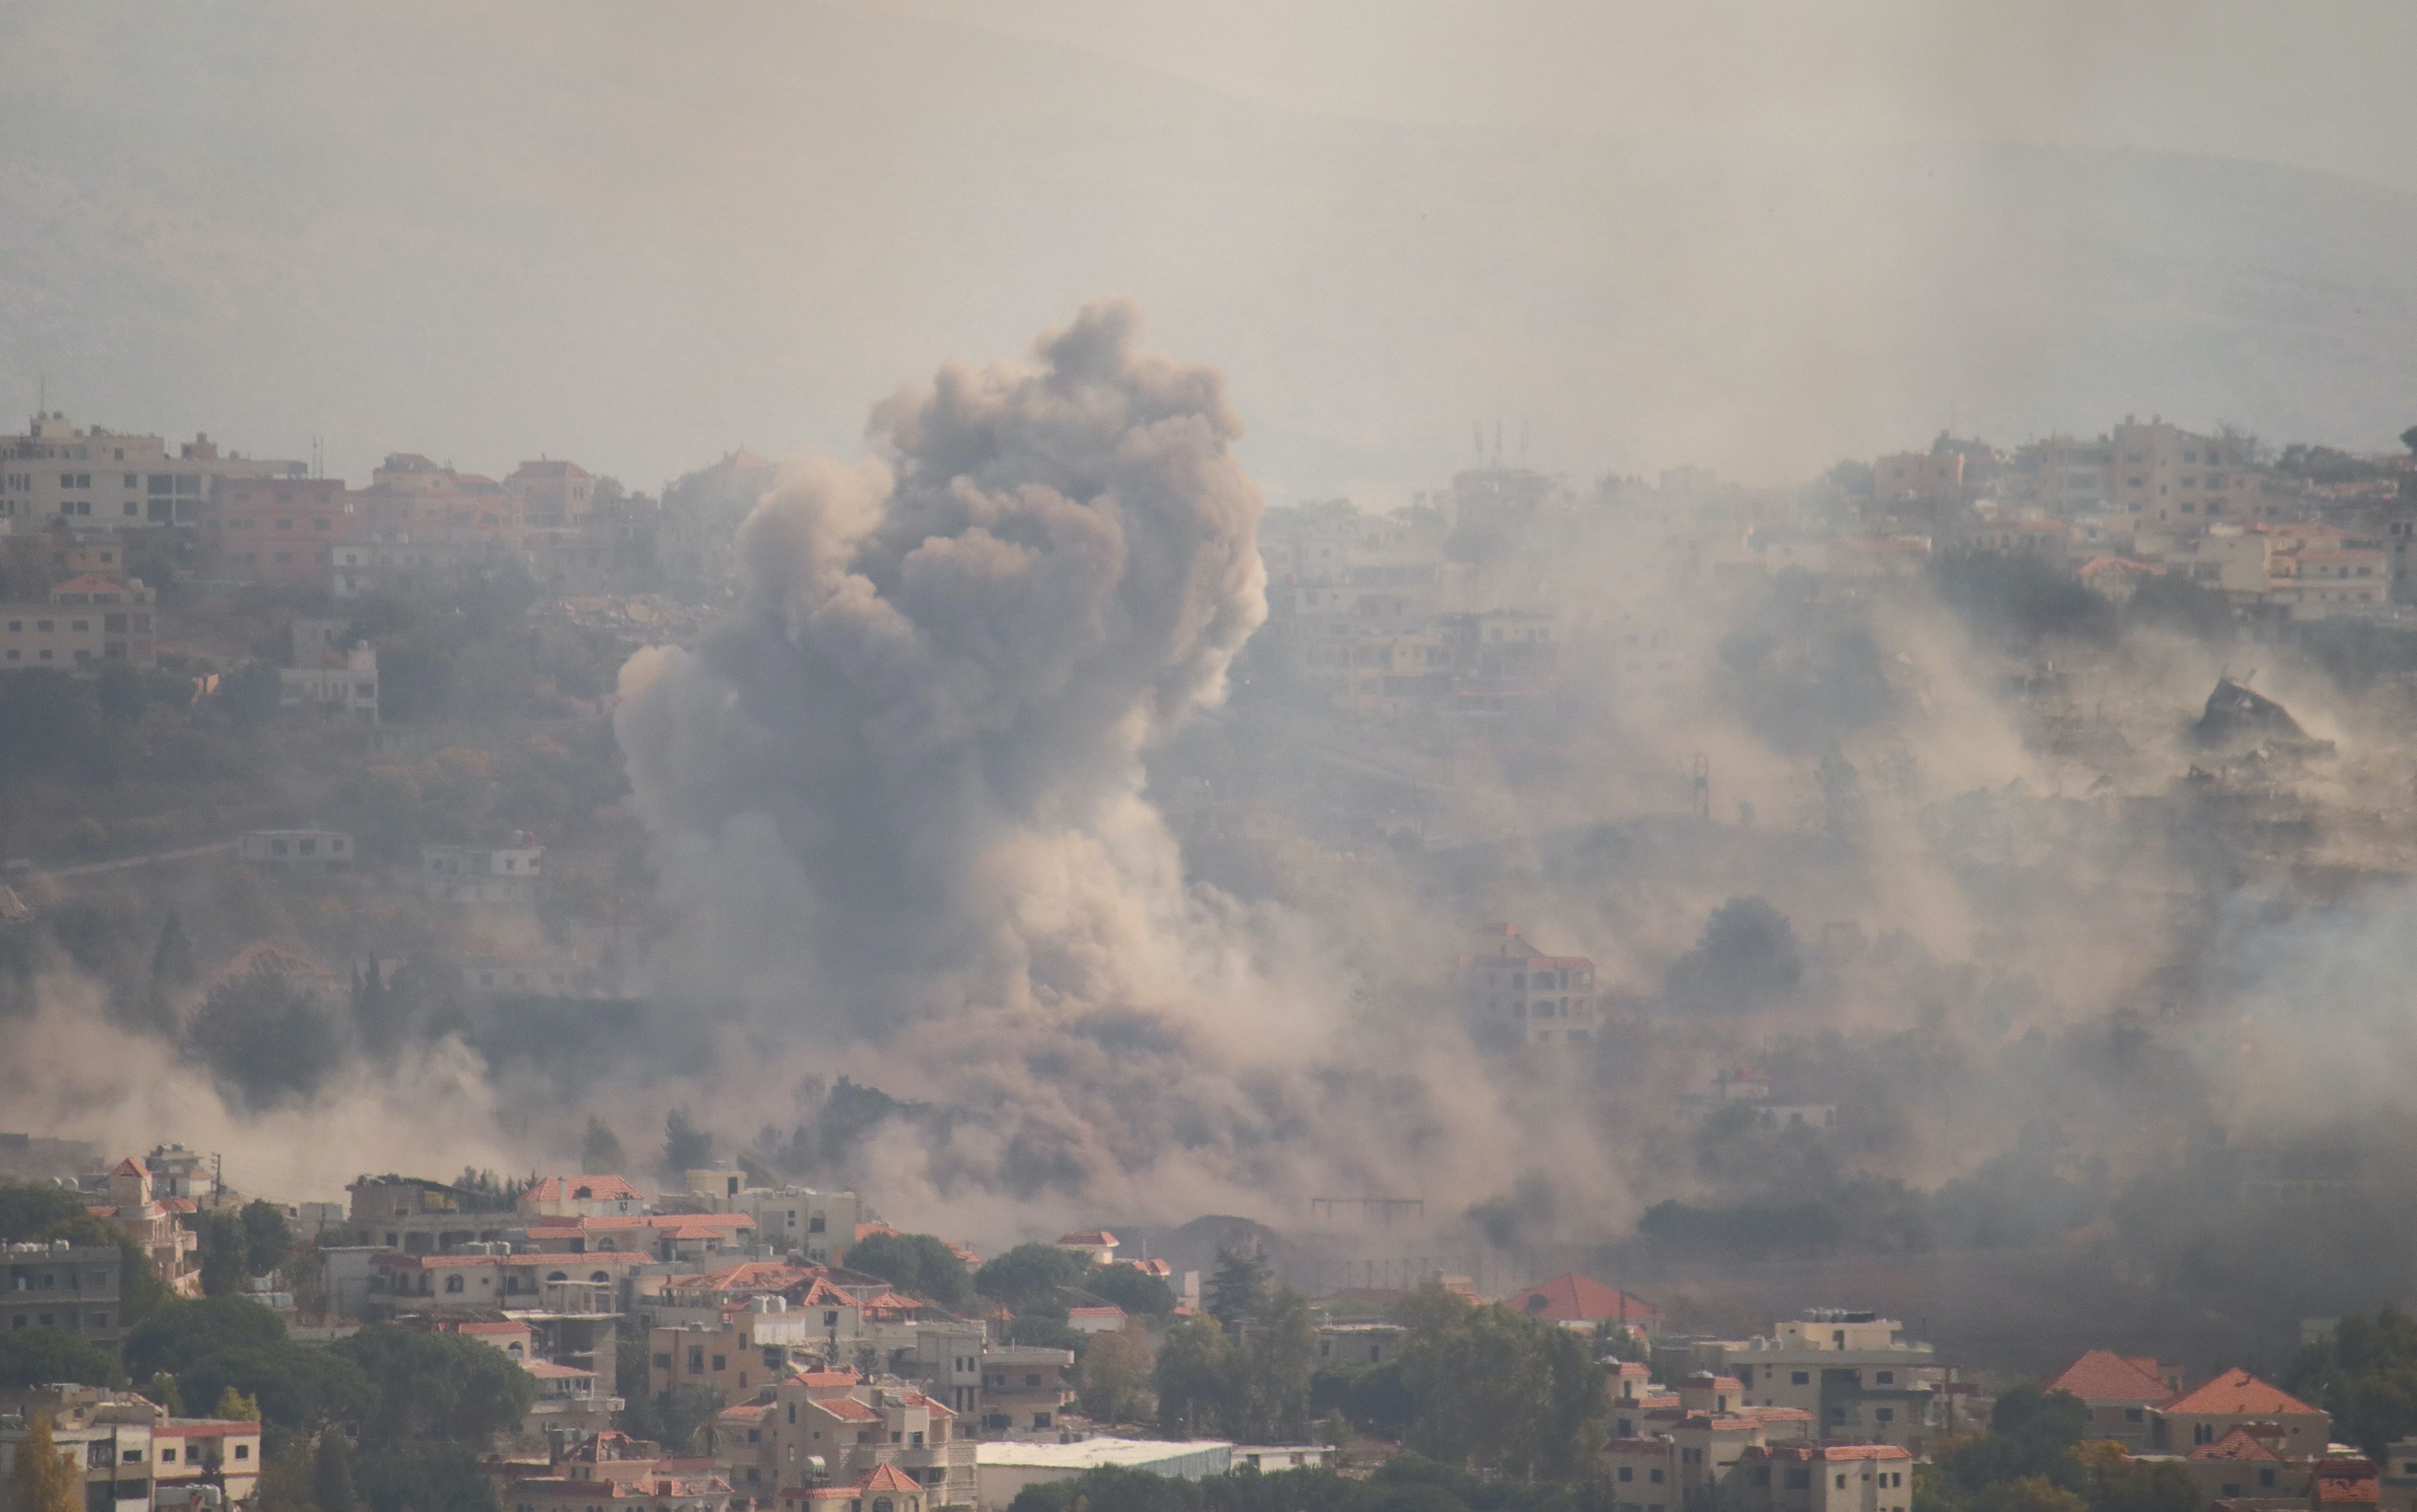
x=311 y=771
x=730 y=1347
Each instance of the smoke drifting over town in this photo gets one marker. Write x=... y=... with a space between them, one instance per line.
x=1903 y=752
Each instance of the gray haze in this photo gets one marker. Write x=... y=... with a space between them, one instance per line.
x=1755 y=239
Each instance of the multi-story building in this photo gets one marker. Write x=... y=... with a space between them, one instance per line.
x=1508 y=986
x=754 y=1345
x=816 y=1227
x=2176 y=478
x=1824 y=1477
x=508 y=875
x=552 y=493
x=89 y=622
x=855 y=1427
x=1024 y=1387
x=1855 y=1373
x=1925 y=481
x=132 y=1455
x=64 y=1285
x=54 y=471
x=281 y=532
x=131 y=1203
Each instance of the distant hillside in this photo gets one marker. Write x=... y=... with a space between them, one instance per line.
x=463 y=232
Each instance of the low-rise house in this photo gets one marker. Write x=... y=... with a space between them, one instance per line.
x=2246 y=1462
x=612 y=1470
x=1575 y=1301
x=2121 y=1390
x=507 y=874
x=344 y=687
x=845 y=1428
x=1105 y=1319
x=2236 y=1399
x=314 y=850
x=1359 y=1343
x=1097 y=1245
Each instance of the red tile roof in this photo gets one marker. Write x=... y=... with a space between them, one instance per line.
x=1574 y=1298
x=887 y=1478
x=2105 y=1375
x=2237 y=1444
x=1089 y=1239
x=2238 y=1393
x=846 y=1409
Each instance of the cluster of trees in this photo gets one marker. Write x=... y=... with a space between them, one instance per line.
x=31 y=1356
x=2035 y=1458
x=2365 y=1373
x=1241 y=1370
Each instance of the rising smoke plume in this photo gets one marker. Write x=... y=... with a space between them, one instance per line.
x=901 y=785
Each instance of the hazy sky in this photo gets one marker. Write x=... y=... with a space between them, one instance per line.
x=2321 y=85
x=1755 y=236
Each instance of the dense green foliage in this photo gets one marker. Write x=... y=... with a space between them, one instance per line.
x=436 y=1386
x=2365 y=1374
x=36 y=1356
x=1496 y=1390
x=1136 y=1291
x=2033 y=1458
x=1028 y=1274
x=919 y=1265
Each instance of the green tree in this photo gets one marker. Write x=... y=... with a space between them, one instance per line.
x=1195 y=1378
x=917 y=1265
x=436 y=1385
x=1495 y=1390
x=251 y=694
x=2364 y=1372
x=1027 y=1275
x=36 y=1356
x=686 y=1147
x=174 y=962
x=235 y=1405
x=1116 y=1374
x=331 y=1474
x=45 y=1478
x=186 y=1332
x=266 y=1038
x=297 y=1386
x=224 y=1252
x=1747 y=960
x=266 y=1237
x=418 y=1478
x=599 y=1152
x=162 y=1391
x=1239 y=1285
x=1129 y=1287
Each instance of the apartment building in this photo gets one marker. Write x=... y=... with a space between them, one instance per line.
x=131 y=1454
x=1509 y=987
x=64 y=1285
x=55 y=472
x=279 y=532
x=2176 y=478
x=1855 y=1373
x=87 y=623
